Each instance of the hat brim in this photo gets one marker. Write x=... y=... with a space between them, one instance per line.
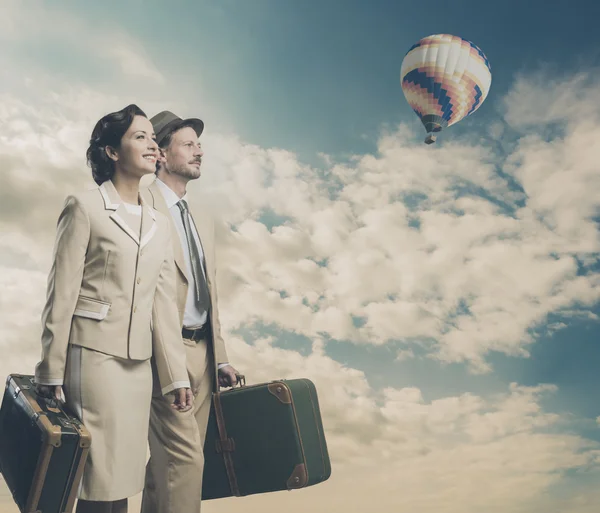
x=176 y=124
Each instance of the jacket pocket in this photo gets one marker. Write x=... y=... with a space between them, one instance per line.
x=91 y=308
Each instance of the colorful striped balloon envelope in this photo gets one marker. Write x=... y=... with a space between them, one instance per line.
x=444 y=78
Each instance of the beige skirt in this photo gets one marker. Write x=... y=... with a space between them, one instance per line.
x=111 y=396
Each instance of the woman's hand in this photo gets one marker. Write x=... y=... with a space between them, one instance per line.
x=50 y=392
x=184 y=399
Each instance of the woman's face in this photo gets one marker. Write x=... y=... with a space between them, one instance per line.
x=139 y=151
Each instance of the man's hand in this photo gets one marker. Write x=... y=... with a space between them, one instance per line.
x=49 y=392
x=184 y=400
x=227 y=376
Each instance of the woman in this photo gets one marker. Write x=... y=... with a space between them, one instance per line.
x=110 y=307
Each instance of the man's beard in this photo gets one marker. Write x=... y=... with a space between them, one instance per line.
x=185 y=172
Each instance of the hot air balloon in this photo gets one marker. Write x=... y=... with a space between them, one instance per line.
x=444 y=79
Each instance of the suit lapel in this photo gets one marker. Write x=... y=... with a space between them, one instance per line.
x=161 y=206
x=112 y=201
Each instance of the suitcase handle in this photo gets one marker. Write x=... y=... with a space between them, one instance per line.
x=53 y=405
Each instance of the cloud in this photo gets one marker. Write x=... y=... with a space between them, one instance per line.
x=539 y=99
x=21 y=303
x=76 y=38
x=418 y=244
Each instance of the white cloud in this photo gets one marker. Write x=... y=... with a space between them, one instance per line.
x=22 y=294
x=536 y=100
x=74 y=35
x=421 y=243
x=404 y=354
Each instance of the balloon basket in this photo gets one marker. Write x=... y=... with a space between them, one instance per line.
x=430 y=139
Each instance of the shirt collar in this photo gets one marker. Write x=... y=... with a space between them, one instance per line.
x=170 y=196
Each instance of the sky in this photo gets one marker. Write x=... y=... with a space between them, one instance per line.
x=444 y=299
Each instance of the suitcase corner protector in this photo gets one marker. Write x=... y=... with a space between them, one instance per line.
x=85 y=437
x=298 y=478
x=53 y=434
x=281 y=391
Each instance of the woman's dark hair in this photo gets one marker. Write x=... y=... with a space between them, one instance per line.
x=108 y=132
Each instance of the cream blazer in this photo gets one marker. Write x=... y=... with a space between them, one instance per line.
x=111 y=290
x=206 y=230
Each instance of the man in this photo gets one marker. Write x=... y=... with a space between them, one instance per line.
x=174 y=471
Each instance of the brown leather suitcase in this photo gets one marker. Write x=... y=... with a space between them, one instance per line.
x=43 y=449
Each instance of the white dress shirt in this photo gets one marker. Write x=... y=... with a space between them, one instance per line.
x=193 y=317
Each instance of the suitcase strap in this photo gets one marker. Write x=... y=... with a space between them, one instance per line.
x=225 y=445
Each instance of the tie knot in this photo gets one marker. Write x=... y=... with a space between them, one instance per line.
x=182 y=204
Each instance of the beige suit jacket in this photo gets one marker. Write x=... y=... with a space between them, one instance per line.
x=206 y=230
x=111 y=290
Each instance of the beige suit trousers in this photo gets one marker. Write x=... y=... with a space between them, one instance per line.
x=174 y=470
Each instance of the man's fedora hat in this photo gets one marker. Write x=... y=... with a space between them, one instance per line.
x=166 y=122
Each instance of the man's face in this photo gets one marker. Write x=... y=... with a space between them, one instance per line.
x=183 y=156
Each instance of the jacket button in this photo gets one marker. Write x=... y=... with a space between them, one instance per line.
x=138 y=280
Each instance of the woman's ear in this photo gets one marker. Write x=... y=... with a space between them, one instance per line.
x=111 y=153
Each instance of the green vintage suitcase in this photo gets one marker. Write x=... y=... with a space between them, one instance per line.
x=43 y=449
x=264 y=438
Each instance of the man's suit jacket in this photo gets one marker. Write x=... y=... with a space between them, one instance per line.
x=111 y=290
x=206 y=231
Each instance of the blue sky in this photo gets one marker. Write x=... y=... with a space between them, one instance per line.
x=323 y=77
